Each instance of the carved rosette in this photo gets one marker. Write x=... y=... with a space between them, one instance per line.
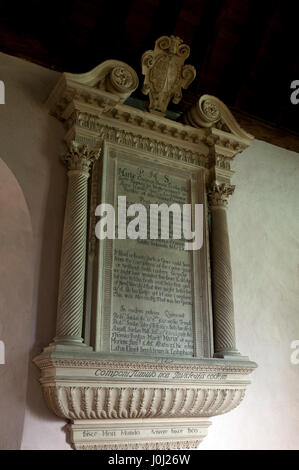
x=78 y=159
x=167 y=445
x=165 y=72
x=205 y=113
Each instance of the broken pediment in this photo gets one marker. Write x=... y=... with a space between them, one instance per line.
x=106 y=85
x=209 y=112
x=113 y=76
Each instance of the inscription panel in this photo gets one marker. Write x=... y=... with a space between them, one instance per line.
x=151 y=295
x=152 y=303
x=177 y=376
x=149 y=431
x=146 y=433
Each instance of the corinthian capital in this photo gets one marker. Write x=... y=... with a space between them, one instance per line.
x=80 y=157
x=218 y=194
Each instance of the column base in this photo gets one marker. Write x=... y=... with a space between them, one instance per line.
x=230 y=354
x=69 y=340
x=67 y=347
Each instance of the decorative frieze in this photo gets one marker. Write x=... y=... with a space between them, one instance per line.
x=141 y=445
x=119 y=402
x=222 y=161
x=173 y=143
x=160 y=148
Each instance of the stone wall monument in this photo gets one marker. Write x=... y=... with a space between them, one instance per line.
x=145 y=349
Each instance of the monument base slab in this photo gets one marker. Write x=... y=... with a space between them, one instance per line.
x=135 y=434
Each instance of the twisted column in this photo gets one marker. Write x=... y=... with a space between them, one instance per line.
x=223 y=306
x=78 y=159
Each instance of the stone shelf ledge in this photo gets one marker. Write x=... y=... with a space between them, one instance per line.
x=103 y=399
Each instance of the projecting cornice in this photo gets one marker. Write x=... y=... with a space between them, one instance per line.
x=92 y=108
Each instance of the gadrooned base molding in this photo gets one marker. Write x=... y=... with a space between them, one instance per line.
x=130 y=404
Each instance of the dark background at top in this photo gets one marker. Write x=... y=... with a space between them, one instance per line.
x=245 y=52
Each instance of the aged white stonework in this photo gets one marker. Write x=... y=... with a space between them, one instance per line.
x=78 y=159
x=165 y=72
x=145 y=349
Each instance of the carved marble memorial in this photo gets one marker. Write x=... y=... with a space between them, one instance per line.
x=145 y=350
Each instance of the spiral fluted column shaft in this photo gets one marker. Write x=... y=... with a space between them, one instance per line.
x=72 y=272
x=223 y=306
x=73 y=256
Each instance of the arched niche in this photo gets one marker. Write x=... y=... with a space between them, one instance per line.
x=16 y=273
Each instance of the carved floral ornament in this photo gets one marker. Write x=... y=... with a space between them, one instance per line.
x=122 y=78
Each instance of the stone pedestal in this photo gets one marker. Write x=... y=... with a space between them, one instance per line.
x=117 y=404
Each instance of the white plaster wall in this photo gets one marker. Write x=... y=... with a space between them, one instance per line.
x=16 y=264
x=30 y=143
x=264 y=227
x=264 y=236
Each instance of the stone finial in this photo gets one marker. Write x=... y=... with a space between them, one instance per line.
x=165 y=72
